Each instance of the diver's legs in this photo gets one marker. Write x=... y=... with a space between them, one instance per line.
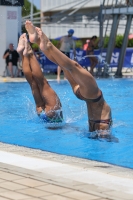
x=84 y=79
x=33 y=36
x=87 y=83
x=48 y=94
x=28 y=75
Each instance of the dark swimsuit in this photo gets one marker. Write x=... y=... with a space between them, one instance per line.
x=92 y=126
x=92 y=49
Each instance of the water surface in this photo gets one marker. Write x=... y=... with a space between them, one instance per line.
x=19 y=124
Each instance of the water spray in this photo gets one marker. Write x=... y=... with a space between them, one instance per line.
x=100 y=60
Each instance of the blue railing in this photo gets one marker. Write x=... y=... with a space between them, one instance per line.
x=50 y=67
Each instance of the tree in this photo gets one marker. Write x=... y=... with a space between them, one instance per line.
x=26 y=11
x=26 y=8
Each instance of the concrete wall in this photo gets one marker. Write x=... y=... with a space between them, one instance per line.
x=49 y=4
x=82 y=29
x=10 y=27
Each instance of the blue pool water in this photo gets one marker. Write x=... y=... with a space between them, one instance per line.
x=20 y=125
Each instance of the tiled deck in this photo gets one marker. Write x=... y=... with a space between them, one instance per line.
x=34 y=174
x=17 y=184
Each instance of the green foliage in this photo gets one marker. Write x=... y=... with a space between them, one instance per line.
x=119 y=41
x=130 y=43
x=79 y=44
x=35 y=47
x=26 y=8
x=55 y=42
x=26 y=11
x=106 y=41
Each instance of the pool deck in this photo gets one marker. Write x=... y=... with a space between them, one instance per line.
x=30 y=174
x=34 y=174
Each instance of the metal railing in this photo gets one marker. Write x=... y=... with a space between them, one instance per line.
x=113 y=5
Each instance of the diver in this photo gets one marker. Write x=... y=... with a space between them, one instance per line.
x=48 y=105
x=82 y=82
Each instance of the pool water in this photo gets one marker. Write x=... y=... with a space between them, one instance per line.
x=19 y=124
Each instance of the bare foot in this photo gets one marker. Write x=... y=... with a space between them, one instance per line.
x=45 y=44
x=33 y=36
x=27 y=50
x=20 y=47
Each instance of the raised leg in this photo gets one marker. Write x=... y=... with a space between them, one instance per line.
x=33 y=36
x=87 y=84
x=84 y=79
x=71 y=80
x=49 y=96
x=35 y=67
x=34 y=87
x=28 y=75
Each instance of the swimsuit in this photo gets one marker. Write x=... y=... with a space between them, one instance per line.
x=79 y=96
x=92 y=126
x=106 y=121
x=56 y=119
x=90 y=49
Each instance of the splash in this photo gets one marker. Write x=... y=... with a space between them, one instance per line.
x=31 y=109
x=101 y=61
x=70 y=111
x=103 y=135
x=54 y=125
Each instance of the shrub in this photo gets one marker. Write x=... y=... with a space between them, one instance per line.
x=55 y=42
x=106 y=41
x=130 y=43
x=35 y=47
x=79 y=44
x=118 y=41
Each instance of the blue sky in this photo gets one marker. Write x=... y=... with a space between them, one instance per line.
x=36 y=3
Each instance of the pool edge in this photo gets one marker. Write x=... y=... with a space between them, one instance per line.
x=103 y=181
x=74 y=161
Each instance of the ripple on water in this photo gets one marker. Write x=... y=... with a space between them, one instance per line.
x=20 y=125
